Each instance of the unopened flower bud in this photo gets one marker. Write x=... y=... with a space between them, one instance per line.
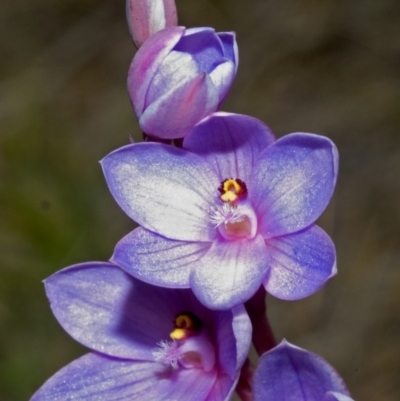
x=179 y=76
x=146 y=17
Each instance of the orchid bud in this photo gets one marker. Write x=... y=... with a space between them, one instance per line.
x=179 y=76
x=146 y=17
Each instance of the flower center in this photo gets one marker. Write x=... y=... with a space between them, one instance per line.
x=241 y=228
x=191 y=346
x=235 y=218
x=186 y=324
x=232 y=190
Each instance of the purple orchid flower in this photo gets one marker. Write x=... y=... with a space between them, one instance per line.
x=232 y=210
x=149 y=343
x=289 y=373
x=179 y=76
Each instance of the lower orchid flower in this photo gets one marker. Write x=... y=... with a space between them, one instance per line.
x=232 y=210
x=289 y=373
x=148 y=343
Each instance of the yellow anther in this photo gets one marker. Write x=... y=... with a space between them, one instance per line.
x=184 y=322
x=185 y=325
x=229 y=197
x=178 y=334
x=231 y=190
x=231 y=185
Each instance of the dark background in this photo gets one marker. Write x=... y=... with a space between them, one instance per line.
x=324 y=66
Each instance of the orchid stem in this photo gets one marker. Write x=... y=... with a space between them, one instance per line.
x=263 y=337
x=243 y=388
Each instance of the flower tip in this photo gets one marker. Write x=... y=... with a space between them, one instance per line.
x=228 y=33
x=284 y=344
x=335 y=396
x=334 y=271
x=146 y=17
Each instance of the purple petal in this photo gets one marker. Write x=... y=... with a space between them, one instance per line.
x=231 y=52
x=165 y=189
x=230 y=143
x=146 y=17
x=223 y=389
x=222 y=77
x=226 y=341
x=158 y=260
x=175 y=113
x=230 y=273
x=176 y=69
x=243 y=330
x=289 y=373
x=146 y=62
x=108 y=311
x=300 y=263
x=96 y=377
x=205 y=47
x=333 y=396
x=233 y=329
x=293 y=183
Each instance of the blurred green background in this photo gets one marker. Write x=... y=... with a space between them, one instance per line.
x=325 y=66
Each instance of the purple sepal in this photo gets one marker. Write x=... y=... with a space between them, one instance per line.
x=289 y=373
x=146 y=63
x=293 y=183
x=242 y=331
x=230 y=143
x=98 y=305
x=158 y=260
x=146 y=17
x=164 y=189
x=231 y=51
x=223 y=388
x=221 y=77
x=300 y=263
x=100 y=378
x=205 y=47
x=230 y=272
x=173 y=114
